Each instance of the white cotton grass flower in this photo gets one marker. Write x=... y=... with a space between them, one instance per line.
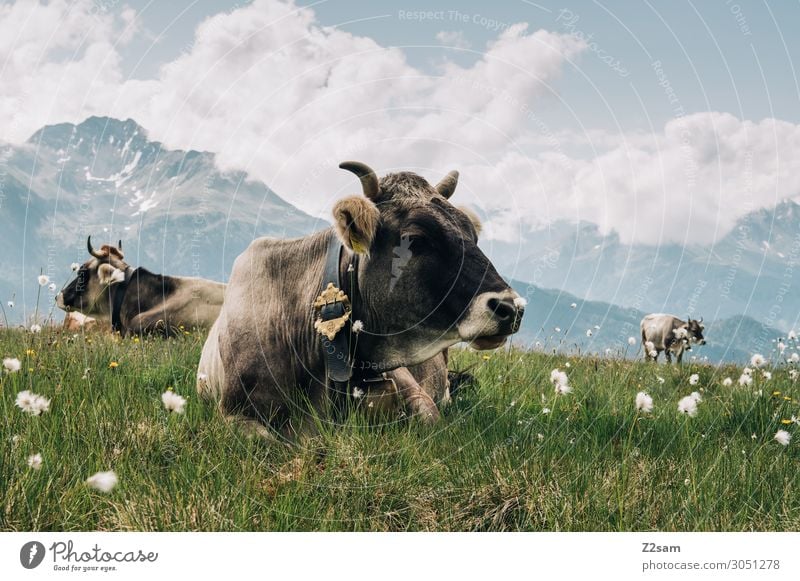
x=794 y=357
x=631 y=341
x=35 y=461
x=727 y=382
x=573 y=305
x=545 y=411
x=12 y=364
x=589 y=332
x=757 y=360
x=520 y=302
x=793 y=373
x=747 y=371
x=644 y=403
x=560 y=382
x=36 y=328
x=31 y=403
x=660 y=379
x=745 y=379
x=173 y=402
x=792 y=336
x=358 y=326
x=74 y=267
x=557 y=329
x=694 y=379
x=781 y=347
x=10 y=304
x=653 y=353
x=649 y=345
x=43 y=279
x=688 y=406
x=52 y=287
x=358 y=393
x=767 y=375
x=783 y=437
x=695 y=395
x=103 y=481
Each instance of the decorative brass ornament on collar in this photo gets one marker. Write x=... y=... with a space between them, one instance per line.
x=331 y=296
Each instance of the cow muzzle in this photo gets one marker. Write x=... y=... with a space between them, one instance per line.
x=492 y=318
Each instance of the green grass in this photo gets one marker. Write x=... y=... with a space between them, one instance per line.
x=494 y=462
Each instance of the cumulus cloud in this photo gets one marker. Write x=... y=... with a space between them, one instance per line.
x=281 y=96
x=452 y=38
x=687 y=183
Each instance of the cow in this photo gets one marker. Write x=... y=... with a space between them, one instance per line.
x=135 y=300
x=671 y=335
x=416 y=282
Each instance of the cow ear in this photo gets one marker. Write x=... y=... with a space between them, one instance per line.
x=356 y=219
x=109 y=275
x=473 y=217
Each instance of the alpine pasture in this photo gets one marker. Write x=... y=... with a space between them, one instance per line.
x=518 y=450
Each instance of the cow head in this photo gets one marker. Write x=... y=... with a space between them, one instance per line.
x=694 y=331
x=690 y=332
x=88 y=291
x=422 y=282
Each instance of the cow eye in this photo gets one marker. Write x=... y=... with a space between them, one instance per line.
x=418 y=242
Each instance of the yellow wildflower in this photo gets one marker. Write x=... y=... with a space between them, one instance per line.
x=30 y=353
x=113 y=365
x=786 y=422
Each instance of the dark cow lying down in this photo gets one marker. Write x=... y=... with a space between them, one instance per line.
x=263 y=360
x=136 y=300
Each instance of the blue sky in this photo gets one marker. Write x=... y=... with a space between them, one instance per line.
x=723 y=56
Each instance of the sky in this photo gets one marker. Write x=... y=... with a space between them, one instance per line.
x=664 y=122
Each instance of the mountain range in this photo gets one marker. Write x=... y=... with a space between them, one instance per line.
x=750 y=271
x=177 y=212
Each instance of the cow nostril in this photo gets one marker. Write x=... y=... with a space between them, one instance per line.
x=503 y=310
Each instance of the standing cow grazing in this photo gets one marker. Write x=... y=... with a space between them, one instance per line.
x=669 y=334
x=135 y=300
x=399 y=278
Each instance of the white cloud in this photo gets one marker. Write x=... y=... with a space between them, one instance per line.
x=452 y=38
x=281 y=96
x=689 y=182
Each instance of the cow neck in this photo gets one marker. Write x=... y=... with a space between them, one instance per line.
x=117 y=297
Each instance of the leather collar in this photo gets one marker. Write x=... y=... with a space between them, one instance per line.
x=336 y=351
x=117 y=296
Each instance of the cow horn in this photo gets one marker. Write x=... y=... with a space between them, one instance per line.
x=369 y=181
x=447 y=186
x=119 y=244
x=92 y=251
x=701 y=320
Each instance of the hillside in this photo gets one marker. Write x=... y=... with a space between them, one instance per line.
x=551 y=322
x=509 y=454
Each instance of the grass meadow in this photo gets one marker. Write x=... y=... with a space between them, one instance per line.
x=509 y=454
